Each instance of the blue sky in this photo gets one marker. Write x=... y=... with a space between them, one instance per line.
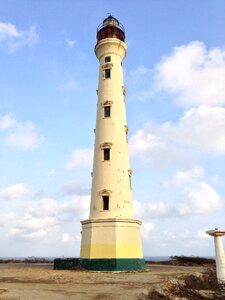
x=175 y=79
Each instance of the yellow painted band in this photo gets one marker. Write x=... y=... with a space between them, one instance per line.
x=111 y=251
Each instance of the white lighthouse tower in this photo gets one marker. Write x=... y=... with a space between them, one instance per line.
x=111 y=236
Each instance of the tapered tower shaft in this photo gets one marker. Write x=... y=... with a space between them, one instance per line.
x=111 y=236
x=111 y=170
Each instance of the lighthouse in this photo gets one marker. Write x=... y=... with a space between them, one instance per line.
x=111 y=237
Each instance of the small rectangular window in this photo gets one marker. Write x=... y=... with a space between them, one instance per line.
x=107 y=73
x=130 y=181
x=107 y=111
x=105 y=202
x=106 y=154
x=107 y=59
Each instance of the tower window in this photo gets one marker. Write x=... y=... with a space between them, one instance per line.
x=107 y=111
x=107 y=59
x=130 y=182
x=106 y=153
x=130 y=174
x=105 y=202
x=106 y=106
x=107 y=73
x=126 y=130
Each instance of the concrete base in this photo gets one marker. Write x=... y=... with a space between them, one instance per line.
x=111 y=239
x=112 y=264
x=67 y=264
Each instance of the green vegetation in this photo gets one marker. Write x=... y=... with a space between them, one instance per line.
x=28 y=260
x=185 y=261
x=191 y=260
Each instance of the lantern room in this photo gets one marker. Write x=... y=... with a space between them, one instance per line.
x=110 y=28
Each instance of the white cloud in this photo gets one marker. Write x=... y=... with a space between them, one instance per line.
x=145 y=210
x=200 y=198
x=182 y=177
x=80 y=158
x=195 y=197
x=19 y=135
x=67 y=238
x=76 y=207
x=170 y=236
x=25 y=140
x=201 y=234
x=36 y=218
x=22 y=233
x=48 y=218
x=14 y=38
x=6 y=122
x=79 y=186
x=31 y=222
x=15 y=192
x=45 y=207
x=194 y=74
x=191 y=73
x=7 y=218
x=146 y=229
x=201 y=129
x=70 y=43
x=31 y=227
x=155 y=145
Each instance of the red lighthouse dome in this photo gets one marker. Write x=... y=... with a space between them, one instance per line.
x=110 y=28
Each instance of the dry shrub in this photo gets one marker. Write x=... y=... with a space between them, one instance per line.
x=157 y=295
x=198 y=286
x=202 y=281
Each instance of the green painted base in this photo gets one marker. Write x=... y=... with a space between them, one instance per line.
x=103 y=264
x=67 y=264
x=113 y=264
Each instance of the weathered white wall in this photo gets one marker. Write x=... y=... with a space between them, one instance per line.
x=112 y=175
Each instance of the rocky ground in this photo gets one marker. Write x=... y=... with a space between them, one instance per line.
x=192 y=286
x=26 y=281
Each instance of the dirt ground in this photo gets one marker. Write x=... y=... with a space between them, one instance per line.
x=40 y=281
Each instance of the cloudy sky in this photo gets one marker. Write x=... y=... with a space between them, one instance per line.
x=175 y=79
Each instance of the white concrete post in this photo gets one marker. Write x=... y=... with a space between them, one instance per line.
x=220 y=256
